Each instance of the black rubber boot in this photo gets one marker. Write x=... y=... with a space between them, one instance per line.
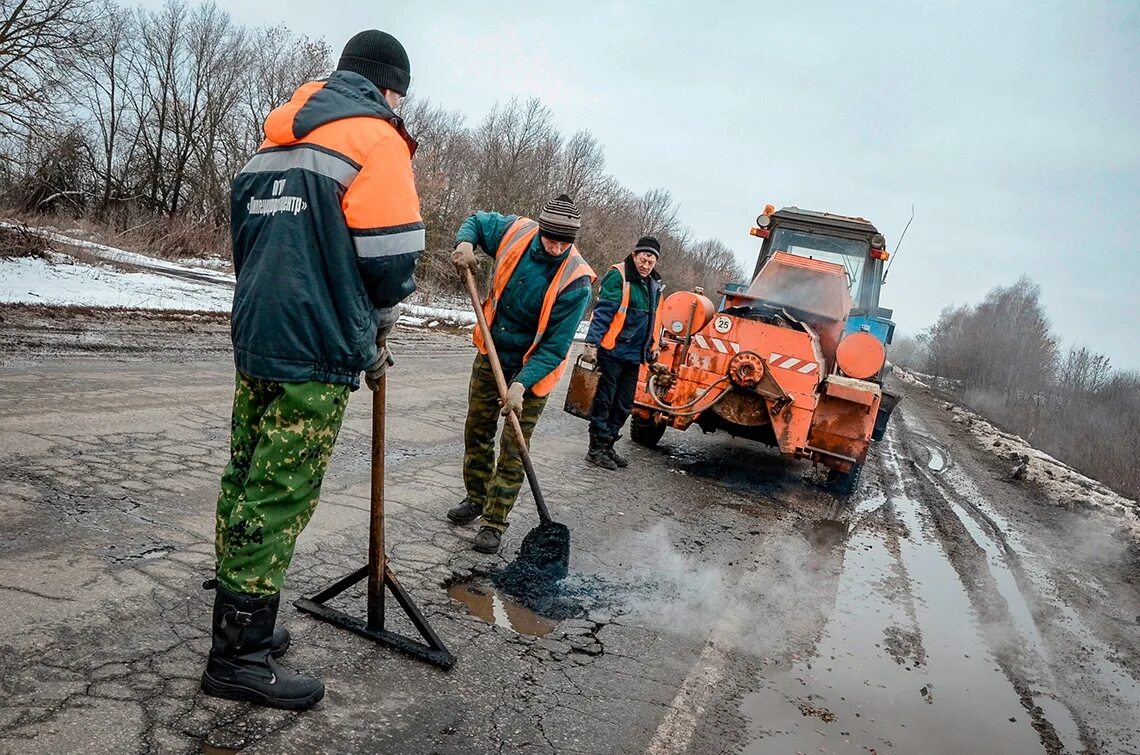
x=280 y=642
x=488 y=540
x=240 y=666
x=281 y=639
x=620 y=460
x=597 y=455
x=466 y=512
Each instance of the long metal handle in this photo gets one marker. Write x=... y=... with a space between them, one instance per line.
x=377 y=557
x=501 y=382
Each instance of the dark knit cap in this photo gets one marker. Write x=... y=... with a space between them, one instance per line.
x=559 y=219
x=378 y=57
x=648 y=244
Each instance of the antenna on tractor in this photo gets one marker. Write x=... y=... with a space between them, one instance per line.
x=899 y=245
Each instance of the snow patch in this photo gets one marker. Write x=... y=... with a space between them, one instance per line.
x=57 y=282
x=202 y=270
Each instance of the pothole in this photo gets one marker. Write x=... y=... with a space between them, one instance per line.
x=485 y=602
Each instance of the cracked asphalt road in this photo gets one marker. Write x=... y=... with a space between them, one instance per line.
x=730 y=604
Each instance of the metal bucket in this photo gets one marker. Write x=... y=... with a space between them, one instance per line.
x=583 y=385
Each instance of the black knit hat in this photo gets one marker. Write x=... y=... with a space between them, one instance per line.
x=380 y=58
x=648 y=244
x=559 y=219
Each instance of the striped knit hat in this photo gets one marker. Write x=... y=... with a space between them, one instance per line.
x=560 y=219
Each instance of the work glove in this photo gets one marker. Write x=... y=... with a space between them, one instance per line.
x=514 y=402
x=590 y=353
x=464 y=256
x=385 y=323
x=373 y=374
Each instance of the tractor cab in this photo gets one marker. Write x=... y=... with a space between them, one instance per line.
x=850 y=242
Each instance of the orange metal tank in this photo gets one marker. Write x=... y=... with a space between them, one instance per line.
x=860 y=355
x=682 y=306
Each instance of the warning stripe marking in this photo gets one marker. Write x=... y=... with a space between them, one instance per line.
x=801 y=366
x=722 y=347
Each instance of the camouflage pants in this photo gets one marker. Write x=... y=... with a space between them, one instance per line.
x=494 y=485
x=281 y=438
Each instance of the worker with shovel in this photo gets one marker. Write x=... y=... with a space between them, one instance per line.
x=625 y=333
x=540 y=288
x=326 y=232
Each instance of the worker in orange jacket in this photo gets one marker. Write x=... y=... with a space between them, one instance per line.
x=625 y=333
x=326 y=231
x=540 y=288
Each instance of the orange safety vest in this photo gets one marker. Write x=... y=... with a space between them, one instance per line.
x=609 y=341
x=511 y=249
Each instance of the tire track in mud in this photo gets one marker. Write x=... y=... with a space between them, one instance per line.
x=1001 y=594
x=1073 y=679
x=915 y=655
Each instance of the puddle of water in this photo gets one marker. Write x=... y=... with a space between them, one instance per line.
x=889 y=679
x=1102 y=672
x=1059 y=715
x=494 y=607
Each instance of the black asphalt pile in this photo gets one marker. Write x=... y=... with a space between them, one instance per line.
x=543 y=561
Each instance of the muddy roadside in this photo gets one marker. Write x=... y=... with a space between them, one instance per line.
x=33 y=332
x=1053 y=577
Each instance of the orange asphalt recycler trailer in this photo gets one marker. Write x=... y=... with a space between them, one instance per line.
x=778 y=363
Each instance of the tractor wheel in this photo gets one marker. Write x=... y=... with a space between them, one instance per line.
x=645 y=432
x=844 y=483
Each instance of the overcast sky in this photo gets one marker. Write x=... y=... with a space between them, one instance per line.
x=1014 y=129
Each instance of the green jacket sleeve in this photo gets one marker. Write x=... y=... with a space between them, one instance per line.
x=485 y=230
x=555 y=345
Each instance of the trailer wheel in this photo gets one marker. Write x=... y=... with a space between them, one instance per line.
x=844 y=483
x=645 y=432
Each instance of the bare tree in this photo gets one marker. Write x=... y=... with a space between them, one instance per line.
x=103 y=77
x=38 y=40
x=516 y=148
x=658 y=214
x=154 y=100
x=278 y=61
x=216 y=55
x=581 y=168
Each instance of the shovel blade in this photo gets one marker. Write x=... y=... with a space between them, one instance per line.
x=543 y=560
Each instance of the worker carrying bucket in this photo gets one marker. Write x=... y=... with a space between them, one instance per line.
x=539 y=291
x=625 y=333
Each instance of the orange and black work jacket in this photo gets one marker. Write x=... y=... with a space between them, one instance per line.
x=326 y=231
x=536 y=300
x=627 y=315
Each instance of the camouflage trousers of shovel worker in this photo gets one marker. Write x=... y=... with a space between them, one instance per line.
x=282 y=435
x=492 y=486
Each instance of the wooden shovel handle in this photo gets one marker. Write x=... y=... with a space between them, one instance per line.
x=501 y=382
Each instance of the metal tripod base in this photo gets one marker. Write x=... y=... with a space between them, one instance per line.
x=431 y=649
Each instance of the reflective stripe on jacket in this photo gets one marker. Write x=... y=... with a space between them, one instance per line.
x=326 y=232
x=610 y=337
x=510 y=251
